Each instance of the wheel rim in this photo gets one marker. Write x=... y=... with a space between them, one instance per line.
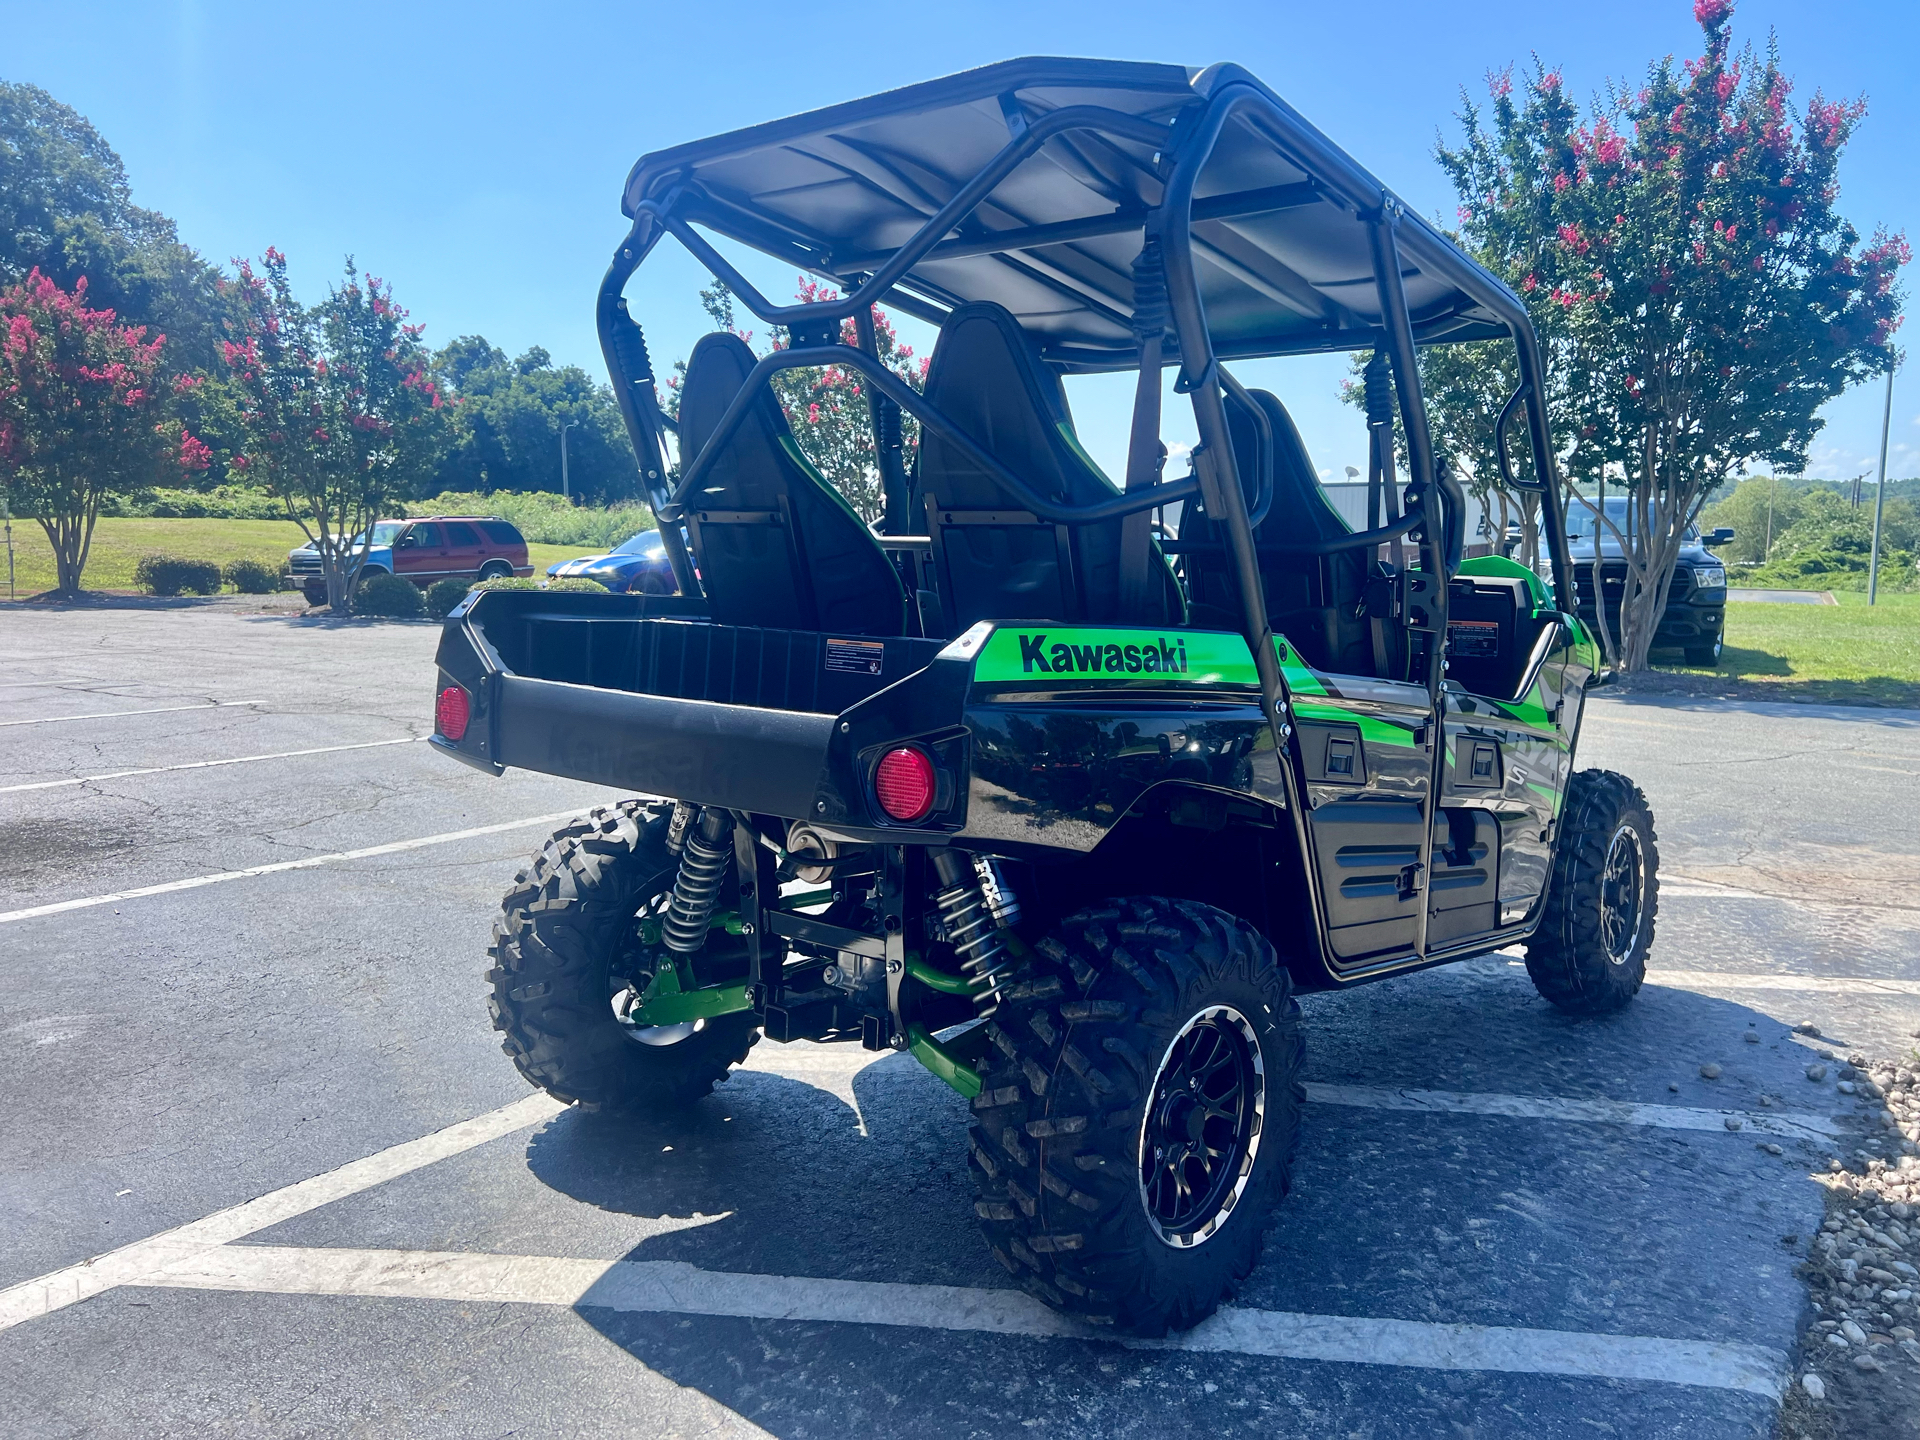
x=1201 y=1133
x=1622 y=885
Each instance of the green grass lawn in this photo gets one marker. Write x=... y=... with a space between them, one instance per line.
x=1837 y=653
x=118 y=545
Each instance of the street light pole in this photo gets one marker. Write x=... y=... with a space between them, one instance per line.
x=566 y=489
x=1880 y=494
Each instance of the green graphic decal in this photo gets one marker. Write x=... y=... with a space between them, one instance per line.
x=1181 y=657
x=1372 y=727
x=1299 y=676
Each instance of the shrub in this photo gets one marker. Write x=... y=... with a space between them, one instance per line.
x=576 y=584
x=543 y=517
x=443 y=595
x=390 y=597
x=175 y=575
x=252 y=577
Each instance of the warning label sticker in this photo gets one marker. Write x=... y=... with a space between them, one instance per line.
x=856 y=657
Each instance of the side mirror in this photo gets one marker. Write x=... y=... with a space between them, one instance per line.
x=1717 y=537
x=408 y=541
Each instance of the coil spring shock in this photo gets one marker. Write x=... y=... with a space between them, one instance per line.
x=975 y=908
x=696 y=886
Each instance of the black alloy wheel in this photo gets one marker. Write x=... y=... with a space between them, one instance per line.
x=1201 y=1135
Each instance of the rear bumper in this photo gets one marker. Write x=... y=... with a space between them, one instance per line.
x=743 y=757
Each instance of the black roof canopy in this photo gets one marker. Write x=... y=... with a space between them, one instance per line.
x=1280 y=247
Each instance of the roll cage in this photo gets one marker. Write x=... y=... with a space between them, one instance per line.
x=1088 y=186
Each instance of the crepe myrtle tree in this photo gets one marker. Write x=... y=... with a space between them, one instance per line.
x=85 y=411
x=337 y=408
x=1698 y=293
x=826 y=406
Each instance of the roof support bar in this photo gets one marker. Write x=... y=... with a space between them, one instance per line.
x=1071 y=117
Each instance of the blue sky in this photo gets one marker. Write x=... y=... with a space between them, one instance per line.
x=473 y=154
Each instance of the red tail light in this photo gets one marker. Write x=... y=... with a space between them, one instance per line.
x=904 y=783
x=451 y=713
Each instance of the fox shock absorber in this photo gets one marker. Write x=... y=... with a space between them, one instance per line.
x=976 y=906
x=704 y=861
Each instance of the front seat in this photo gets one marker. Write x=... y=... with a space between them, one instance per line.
x=993 y=559
x=778 y=547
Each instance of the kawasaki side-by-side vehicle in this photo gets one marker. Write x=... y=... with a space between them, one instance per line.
x=1063 y=786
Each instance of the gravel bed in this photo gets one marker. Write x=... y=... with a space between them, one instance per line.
x=1857 y=1376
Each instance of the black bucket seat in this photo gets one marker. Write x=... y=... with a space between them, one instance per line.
x=778 y=547
x=1318 y=602
x=993 y=559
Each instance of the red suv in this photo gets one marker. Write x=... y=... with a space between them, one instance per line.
x=434 y=547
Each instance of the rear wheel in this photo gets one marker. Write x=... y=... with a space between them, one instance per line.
x=1139 y=1112
x=1589 y=955
x=495 y=570
x=568 y=965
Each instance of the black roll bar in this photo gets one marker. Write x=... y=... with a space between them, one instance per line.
x=910 y=400
x=1360 y=539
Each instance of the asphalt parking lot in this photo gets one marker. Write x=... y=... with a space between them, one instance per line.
x=269 y=1174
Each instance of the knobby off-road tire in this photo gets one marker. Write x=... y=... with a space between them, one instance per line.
x=1118 y=998
x=1589 y=955
x=562 y=932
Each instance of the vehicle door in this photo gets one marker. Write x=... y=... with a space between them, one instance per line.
x=1509 y=722
x=1366 y=749
x=466 y=552
x=420 y=552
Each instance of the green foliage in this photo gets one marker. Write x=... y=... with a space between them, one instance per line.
x=222 y=502
x=177 y=575
x=251 y=577
x=83 y=412
x=389 y=597
x=1697 y=293
x=827 y=406
x=443 y=595
x=336 y=404
x=1760 y=507
x=574 y=584
x=544 y=517
x=506 y=422
x=66 y=210
x=1829 y=543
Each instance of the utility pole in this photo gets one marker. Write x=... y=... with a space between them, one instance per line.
x=566 y=490
x=1880 y=495
x=6 y=509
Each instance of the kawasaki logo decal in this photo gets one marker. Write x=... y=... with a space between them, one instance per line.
x=1184 y=658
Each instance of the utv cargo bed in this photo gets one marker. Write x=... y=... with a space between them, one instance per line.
x=635 y=692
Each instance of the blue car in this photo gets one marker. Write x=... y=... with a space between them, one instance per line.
x=638 y=565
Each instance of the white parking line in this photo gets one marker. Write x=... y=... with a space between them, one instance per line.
x=134 y=1264
x=1814 y=984
x=117 y=714
x=832 y=1068
x=60 y=907
x=671 y=1287
x=205 y=764
x=1796 y=1126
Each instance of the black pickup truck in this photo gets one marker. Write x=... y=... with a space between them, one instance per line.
x=1694 y=621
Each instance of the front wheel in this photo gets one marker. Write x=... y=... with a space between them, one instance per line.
x=569 y=964
x=1138 y=1113
x=1589 y=955
x=1705 y=655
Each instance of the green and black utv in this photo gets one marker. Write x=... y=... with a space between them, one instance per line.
x=1065 y=787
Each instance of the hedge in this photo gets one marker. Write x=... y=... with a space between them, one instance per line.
x=175 y=575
